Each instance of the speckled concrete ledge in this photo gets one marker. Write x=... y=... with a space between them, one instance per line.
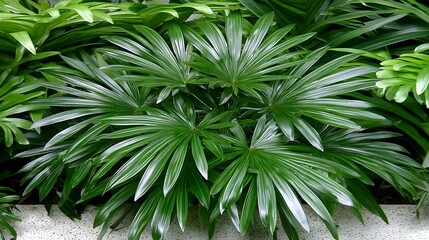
x=37 y=225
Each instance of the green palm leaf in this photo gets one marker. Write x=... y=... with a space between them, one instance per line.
x=271 y=165
x=151 y=55
x=225 y=63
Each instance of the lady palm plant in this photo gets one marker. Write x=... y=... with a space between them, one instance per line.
x=209 y=113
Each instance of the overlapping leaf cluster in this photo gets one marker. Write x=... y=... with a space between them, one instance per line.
x=408 y=73
x=158 y=108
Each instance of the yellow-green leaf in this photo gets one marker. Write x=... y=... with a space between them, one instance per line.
x=84 y=13
x=422 y=80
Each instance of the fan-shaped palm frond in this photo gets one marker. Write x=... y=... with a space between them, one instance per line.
x=276 y=177
x=225 y=62
x=315 y=94
x=156 y=64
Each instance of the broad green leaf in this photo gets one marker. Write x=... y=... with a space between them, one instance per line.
x=152 y=11
x=115 y=202
x=421 y=48
x=402 y=5
x=285 y=125
x=8 y=137
x=315 y=203
x=83 y=12
x=233 y=30
x=213 y=147
x=138 y=162
x=365 y=198
x=233 y=188
x=402 y=93
x=67 y=133
x=102 y=16
x=85 y=138
x=425 y=163
x=308 y=132
x=226 y=175
x=47 y=185
x=65 y=116
x=199 y=156
x=19 y=135
x=266 y=201
x=7 y=226
x=53 y=12
x=369 y=26
x=36 y=181
x=182 y=205
x=291 y=200
x=163 y=94
x=198 y=6
x=25 y=40
x=153 y=171
x=80 y=173
x=162 y=216
x=233 y=214
x=332 y=119
x=200 y=189
x=255 y=7
x=8 y=198
x=248 y=208
x=226 y=95
x=290 y=230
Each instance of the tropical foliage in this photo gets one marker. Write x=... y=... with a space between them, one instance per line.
x=237 y=107
x=408 y=73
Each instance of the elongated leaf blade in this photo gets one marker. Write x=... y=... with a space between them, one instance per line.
x=199 y=156
x=25 y=40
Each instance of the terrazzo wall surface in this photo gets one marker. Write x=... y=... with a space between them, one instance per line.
x=403 y=224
